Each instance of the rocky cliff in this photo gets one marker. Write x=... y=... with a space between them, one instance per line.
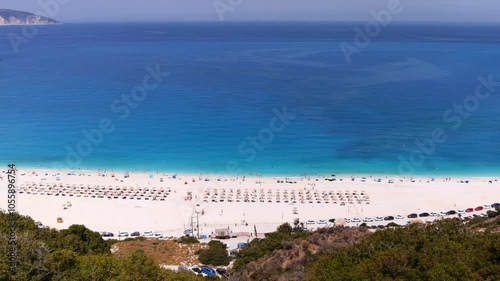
x=11 y=17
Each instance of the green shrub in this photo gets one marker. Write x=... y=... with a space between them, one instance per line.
x=216 y=254
x=477 y=220
x=491 y=214
x=188 y=240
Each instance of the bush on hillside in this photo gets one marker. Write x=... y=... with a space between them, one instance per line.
x=216 y=254
x=188 y=240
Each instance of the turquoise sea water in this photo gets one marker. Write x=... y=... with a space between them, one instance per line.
x=227 y=80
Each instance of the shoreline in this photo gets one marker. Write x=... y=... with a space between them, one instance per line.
x=264 y=175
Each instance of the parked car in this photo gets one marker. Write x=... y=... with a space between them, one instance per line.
x=322 y=222
x=412 y=216
x=347 y=220
x=188 y=231
x=487 y=206
x=107 y=234
x=135 y=234
x=399 y=217
x=451 y=212
x=158 y=235
x=196 y=270
x=221 y=271
x=367 y=219
x=310 y=222
x=424 y=215
x=494 y=205
x=123 y=234
x=242 y=245
x=380 y=226
x=478 y=208
x=434 y=214
x=356 y=220
x=331 y=220
x=461 y=211
x=389 y=218
x=208 y=271
x=147 y=234
x=379 y=219
x=469 y=210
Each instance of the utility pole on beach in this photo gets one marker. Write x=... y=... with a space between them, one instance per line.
x=198 y=224
x=192 y=226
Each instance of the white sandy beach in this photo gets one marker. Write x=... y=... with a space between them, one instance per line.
x=173 y=215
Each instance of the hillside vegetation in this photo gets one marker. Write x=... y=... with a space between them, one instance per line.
x=443 y=250
x=76 y=253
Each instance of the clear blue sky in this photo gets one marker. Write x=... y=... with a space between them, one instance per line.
x=164 y=10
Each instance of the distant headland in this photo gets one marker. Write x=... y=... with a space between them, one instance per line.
x=12 y=17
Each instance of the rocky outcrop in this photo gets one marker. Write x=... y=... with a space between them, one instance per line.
x=11 y=17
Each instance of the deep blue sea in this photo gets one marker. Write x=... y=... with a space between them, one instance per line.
x=216 y=110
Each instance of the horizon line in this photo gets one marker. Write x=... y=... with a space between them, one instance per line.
x=275 y=21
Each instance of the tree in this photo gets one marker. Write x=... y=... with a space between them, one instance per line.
x=138 y=267
x=216 y=254
x=285 y=228
x=83 y=240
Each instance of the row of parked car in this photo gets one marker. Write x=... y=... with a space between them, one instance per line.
x=320 y=221
x=426 y=214
x=208 y=271
x=133 y=234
